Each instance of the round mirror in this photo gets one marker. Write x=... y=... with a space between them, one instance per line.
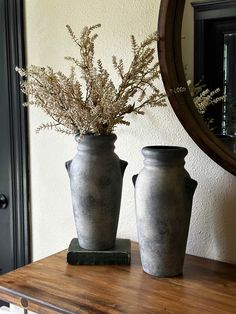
x=196 y=49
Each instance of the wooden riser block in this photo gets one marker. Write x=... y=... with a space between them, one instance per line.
x=119 y=255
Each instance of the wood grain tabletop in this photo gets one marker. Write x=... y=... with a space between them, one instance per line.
x=52 y=286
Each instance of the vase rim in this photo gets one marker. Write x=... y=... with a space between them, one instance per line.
x=159 y=148
x=164 y=154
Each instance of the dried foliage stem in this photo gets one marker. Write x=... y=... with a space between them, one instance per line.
x=103 y=105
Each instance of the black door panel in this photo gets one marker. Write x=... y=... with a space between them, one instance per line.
x=14 y=206
x=6 y=246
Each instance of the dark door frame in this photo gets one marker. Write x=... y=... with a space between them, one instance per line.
x=19 y=196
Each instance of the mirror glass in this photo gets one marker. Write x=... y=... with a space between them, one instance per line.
x=209 y=59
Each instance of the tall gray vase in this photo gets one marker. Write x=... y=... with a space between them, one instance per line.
x=163 y=197
x=96 y=175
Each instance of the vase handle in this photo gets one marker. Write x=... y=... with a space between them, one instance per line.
x=190 y=185
x=67 y=164
x=123 y=165
x=134 y=178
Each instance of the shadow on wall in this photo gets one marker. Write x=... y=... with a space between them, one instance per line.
x=225 y=227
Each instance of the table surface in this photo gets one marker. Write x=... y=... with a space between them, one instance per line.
x=52 y=286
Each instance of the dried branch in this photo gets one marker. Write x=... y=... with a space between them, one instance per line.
x=102 y=106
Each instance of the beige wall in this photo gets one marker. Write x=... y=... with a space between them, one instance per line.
x=188 y=40
x=212 y=232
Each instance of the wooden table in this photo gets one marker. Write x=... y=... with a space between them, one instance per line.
x=52 y=286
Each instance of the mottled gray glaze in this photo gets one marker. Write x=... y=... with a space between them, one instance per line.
x=96 y=175
x=163 y=197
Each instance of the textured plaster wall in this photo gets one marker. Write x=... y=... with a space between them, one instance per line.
x=212 y=231
x=188 y=40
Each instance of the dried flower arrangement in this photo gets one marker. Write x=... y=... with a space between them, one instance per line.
x=103 y=105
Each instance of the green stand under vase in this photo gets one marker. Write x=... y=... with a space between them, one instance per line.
x=120 y=254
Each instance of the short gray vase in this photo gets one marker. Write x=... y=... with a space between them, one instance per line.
x=163 y=199
x=96 y=175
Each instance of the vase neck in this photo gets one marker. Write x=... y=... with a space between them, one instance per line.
x=164 y=155
x=96 y=142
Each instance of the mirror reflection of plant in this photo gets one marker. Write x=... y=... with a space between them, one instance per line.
x=203 y=98
x=102 y=106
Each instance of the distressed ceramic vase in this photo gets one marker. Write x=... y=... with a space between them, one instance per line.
x=96 y=175
x=163 y=198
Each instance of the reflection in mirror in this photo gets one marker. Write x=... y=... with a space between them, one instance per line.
x=209 y=52
x=229 y=78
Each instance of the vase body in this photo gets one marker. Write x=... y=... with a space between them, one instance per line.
x=96 y=175
x=163 y=199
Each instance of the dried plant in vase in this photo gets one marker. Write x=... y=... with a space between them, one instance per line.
x=101 y=105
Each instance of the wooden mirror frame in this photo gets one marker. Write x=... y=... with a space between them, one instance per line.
x=172 y=71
